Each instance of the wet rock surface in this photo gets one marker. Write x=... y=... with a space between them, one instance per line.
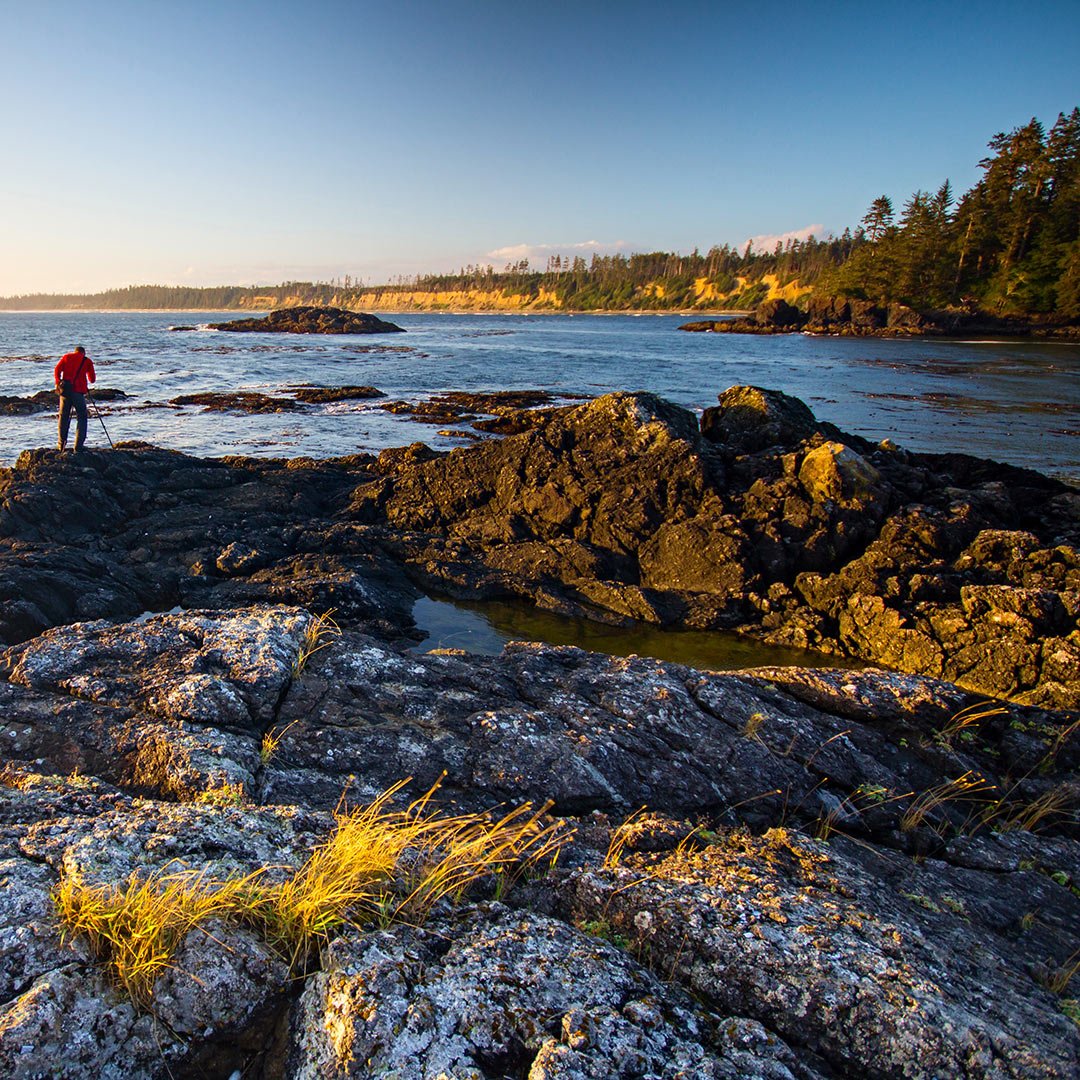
x=311 y=320
x=838 y=873
x=155 y=529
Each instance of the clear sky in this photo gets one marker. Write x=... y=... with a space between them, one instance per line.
x=236 y=142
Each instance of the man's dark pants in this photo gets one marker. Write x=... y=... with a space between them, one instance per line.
x=67 y=403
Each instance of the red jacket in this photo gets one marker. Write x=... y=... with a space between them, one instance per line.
x=69 y=365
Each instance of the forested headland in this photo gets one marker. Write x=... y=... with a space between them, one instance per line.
x=1010 y=246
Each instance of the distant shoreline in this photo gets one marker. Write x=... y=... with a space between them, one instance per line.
x=250 y=312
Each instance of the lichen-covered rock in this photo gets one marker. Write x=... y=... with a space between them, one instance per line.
x=799 y=937
x=70 y=1023
x=29 y=946
x=226 y=669
x=221 y=976
x=823 y=949
x=497 y=993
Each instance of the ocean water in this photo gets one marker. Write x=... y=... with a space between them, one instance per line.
x=1017 y=402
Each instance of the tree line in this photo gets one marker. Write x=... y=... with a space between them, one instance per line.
x=1010 y=245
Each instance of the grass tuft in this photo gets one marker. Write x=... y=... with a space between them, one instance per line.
x=378 y=866
x=962 y=724
x=1056 y=977
x=1056 y=804
x=271 y=740
x=930 y=802
x=621 y=835
x=321 y=632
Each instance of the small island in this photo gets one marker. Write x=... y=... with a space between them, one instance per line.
x=311 y=320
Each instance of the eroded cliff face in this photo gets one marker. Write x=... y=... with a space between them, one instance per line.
x=838 y=872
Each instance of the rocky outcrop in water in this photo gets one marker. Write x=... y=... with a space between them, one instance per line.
x=764 y=520
x=852 y=317
x=250 y=401
x=802 y=900
x=45 y=401
x=311 y=320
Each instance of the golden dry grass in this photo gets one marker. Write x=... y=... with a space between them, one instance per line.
x=963 y=723
x=1046 y=810
x=620 y=837
x=271 y=740
x=928 y=804
x=321 y=632
x=378 y=865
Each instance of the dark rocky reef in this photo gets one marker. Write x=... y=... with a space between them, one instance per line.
x=763 y=520
x=505 y=409
x=245 y=401
x=311 y=320
x=849 y=317
x=46 y=401
x=250 y=401
x=839 y=873
x=323 y=395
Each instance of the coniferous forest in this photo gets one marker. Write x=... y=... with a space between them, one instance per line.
x=1010 y=246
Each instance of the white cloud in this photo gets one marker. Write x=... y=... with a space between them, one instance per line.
x=517 y=252
x=768 y=241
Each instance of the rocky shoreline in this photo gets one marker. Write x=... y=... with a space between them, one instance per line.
x=844 y=317
x=839 y=873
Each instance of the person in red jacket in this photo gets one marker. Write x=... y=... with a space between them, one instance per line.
x=72 y=374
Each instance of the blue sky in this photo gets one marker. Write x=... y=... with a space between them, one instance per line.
x=211 y=143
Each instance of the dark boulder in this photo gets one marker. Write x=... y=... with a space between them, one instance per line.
x=749 y=418
x=778 y=313
x=311 y=320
